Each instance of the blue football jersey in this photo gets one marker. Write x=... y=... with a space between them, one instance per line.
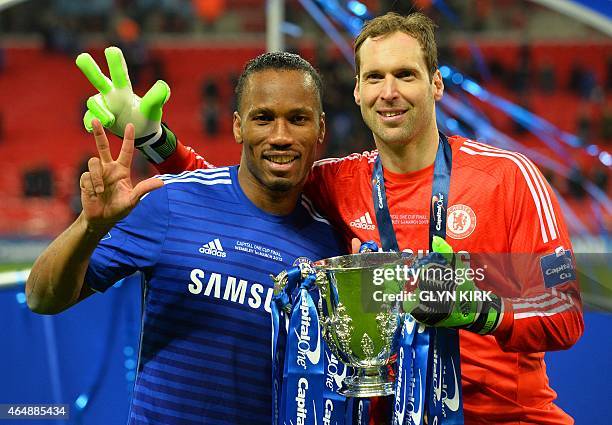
x=206 y=252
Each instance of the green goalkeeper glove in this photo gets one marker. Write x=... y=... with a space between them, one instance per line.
x=447 y=297
x=116 y=105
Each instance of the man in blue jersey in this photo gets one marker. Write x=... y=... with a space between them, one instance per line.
x=205 y=242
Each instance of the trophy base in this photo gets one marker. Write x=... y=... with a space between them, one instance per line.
x=374 y=382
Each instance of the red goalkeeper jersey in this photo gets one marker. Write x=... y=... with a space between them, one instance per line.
x=499 y=206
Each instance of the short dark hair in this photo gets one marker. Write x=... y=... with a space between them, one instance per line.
x=416 y=25
x=278 y=61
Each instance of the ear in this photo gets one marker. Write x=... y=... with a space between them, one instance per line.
x=356 y=91
x=438 y=85
x=236 y=128
x=321 y=127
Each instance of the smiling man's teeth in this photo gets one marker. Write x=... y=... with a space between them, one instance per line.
x=281 y=159
x=390 y=114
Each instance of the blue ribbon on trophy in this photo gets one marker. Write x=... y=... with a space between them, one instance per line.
x=361 y=416
x=303 y=381
x=280 y=308
x=305 y=392
x=334 y=404
x=430 y=354
x=357 y=411
x=445 y=404
x=410 y=381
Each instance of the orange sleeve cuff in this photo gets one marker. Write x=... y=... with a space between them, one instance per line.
x=505 y=326
x=177 y=162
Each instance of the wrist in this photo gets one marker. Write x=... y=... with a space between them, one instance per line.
x=93 y=230
x=488 y=317
x=157 y=147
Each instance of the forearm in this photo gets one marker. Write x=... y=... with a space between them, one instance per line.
x=550 y=321
x=56 y=280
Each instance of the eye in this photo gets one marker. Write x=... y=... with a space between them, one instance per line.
x=405 y=75
x=373 y=77
x=262 y=118
x=299 y=119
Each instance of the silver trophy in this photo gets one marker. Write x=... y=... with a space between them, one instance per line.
x=360 y=318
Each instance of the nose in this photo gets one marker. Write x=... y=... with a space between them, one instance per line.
x=389 y=89
x=281 y=133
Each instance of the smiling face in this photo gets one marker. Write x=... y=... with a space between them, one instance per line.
x=280 y=123
x=394 y=89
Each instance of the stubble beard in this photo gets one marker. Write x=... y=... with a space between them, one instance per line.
x=279 y=186
x=392 y=136
x=276 y=185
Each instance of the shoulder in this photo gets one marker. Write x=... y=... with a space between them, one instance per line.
x=347 y=165
x=205 y=177
x=523 y=185
x=197 y=181
x=501 y=164
x=320 y=229
x=316 y=223
x=312 y=214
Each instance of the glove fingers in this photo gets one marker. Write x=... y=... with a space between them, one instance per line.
x=117 y=67
x=152 y=102
x=98 y=109
x=92 y=71
x=87 y=121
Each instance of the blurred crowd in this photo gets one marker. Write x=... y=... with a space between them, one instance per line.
x=66 y=25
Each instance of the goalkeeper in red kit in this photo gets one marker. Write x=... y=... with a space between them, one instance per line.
x=498 y=204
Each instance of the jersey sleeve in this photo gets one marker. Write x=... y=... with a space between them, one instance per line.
x=547 y=313
x=319 y=187
x=330 y=181
x=182 y=159
x=133 y=244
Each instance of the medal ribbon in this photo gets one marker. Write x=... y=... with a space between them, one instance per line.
x=437 y=346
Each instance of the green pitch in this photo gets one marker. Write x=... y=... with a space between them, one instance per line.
x=14 y=267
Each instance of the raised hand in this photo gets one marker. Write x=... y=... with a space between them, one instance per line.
x=116 y=105
x=107 y=193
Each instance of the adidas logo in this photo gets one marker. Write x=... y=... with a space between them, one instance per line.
x=213 y=248
x=364 y=222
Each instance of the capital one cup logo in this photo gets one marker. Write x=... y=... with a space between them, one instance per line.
x=437 y=376
x=329 y=408
x=438 y=202
x=304 y=339
x=379 y=194
x=414 y=404
x=400 y=402
x=334 y=379
x=406 y=387
x=300 y=400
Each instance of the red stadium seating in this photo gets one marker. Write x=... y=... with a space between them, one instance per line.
x=44 y=96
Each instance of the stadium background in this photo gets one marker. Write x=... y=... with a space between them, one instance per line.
x=500 y=60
